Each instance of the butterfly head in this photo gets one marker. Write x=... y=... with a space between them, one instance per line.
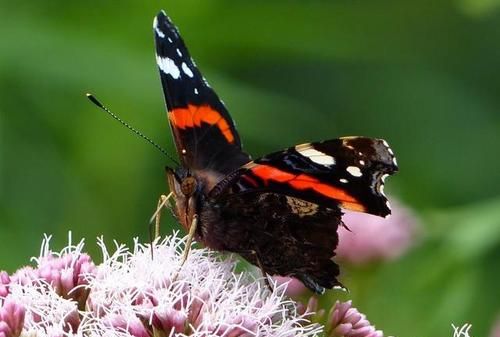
x=185 y=188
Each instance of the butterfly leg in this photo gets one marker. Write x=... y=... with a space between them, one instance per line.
x=189 y=240
x=187 y=247
x=162 y=202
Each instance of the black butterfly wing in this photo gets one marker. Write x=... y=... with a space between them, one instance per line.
x=204 y=133
x=347 y=172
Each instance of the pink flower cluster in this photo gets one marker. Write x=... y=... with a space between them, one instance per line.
x=369 y=238
x=343 y=320
x=57 y=278
x=137 y=296
x=67 y=275
x=346 y=321
x=132 y=295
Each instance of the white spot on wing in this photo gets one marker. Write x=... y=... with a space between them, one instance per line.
x=195 y=91
x=179 y=52
x=383 y=177
x=170 y=40
x=187 y=70
x=157 y=30
x=388 y=147
x=168 y=66
x=381 y=189
x=316 y=156
x=362 y=162
x=354 y=171
x=344 y=181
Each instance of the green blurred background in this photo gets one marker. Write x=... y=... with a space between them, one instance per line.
x=425 y=75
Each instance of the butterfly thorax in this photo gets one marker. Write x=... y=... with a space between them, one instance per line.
x=217 y=217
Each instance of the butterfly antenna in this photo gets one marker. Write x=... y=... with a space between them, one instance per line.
x=94 y=100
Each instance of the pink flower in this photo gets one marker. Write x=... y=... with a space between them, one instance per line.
x=169 y=320
x=46 y=312
x=51 y=292
x=370 y=238
x=346 y=321
x=294 y=287
x=311 y=309
x=67 y=272
x=11 y=318
x=132 y=325
x=4 y=284
x=343 y=320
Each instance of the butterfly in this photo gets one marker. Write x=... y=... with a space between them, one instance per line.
x=280 y=212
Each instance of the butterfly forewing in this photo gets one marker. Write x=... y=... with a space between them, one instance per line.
x=204 y=133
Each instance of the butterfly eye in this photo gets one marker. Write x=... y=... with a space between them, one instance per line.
x=188 y=186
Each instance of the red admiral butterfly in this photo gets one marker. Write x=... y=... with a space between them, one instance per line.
x=280 y=212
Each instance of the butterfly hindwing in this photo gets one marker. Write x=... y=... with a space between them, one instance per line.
x=205 y=135
x=281 y=234
x=347 y=172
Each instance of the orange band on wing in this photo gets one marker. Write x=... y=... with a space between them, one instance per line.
x=194 y=115
x=303 y=181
